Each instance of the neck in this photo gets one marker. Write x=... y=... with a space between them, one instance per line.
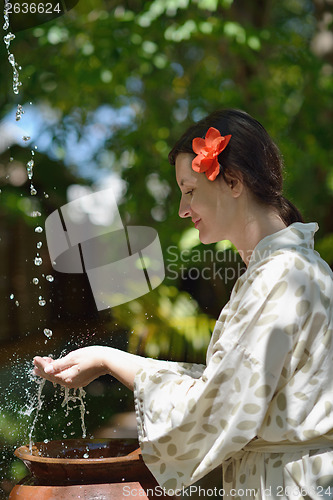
x=254 y=228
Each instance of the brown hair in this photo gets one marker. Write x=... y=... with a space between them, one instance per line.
x=250 y=152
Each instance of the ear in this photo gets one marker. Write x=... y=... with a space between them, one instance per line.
x=235 y=183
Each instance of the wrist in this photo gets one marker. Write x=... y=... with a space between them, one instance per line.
x=107 y=360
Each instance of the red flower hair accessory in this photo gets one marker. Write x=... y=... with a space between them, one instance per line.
x=207 y=151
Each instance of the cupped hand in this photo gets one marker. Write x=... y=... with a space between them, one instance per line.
x=77 y=369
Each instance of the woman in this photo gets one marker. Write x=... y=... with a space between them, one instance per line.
x=262 y=407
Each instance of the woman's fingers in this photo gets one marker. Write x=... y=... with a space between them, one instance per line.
x=77 y=369
x=70 y=378
x=40 y=373
x=64 y=377
x=37 y=372
x=51 y=366
x=38 y=360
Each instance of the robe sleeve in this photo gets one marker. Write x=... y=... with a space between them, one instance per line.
x=188 y=425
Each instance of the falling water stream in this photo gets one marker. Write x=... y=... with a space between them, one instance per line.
x=76 y=397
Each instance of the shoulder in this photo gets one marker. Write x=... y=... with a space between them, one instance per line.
x=295 y=268
x=294 y=260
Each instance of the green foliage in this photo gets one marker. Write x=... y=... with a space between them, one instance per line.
x=172 y=62
x=167 y=323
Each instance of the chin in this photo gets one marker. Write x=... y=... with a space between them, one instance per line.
x=206 y=240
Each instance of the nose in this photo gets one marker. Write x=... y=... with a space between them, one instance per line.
x=184 y=208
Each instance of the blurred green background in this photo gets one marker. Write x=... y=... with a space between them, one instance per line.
x=106 y=90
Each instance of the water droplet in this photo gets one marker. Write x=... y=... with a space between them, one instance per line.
x=6 y=23
x=38 y=229
x=17 y=303
x=19 y=112
x=26 y=138
x=11 y=296
x=16 y=82
x=47 y=332
x=50 y=278
x=35 y=213
x=11 y=159
x=8 y=38
x=42 y=302
x=33 y=191
x=46 y=195
x=46 y=441
x=86 y=455
x=30 y=165
x=35 y=281
x=38 y=261
x=39 y=244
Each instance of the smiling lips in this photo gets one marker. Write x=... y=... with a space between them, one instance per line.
x=196 y=222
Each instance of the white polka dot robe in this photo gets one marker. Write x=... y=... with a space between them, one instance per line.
x=262 y=403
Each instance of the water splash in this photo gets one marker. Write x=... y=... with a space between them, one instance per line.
x=40 y=400
x=15 y=66
x=19 y=112
x=7 y=39
x=5 y=15
x=77 y=397
x=30 y=165
x=35 y=403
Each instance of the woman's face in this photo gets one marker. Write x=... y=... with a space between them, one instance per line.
x=210 y=204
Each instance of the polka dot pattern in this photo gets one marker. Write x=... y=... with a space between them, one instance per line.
x=269 y=375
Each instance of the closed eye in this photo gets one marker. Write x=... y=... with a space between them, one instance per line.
x=189 y=192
